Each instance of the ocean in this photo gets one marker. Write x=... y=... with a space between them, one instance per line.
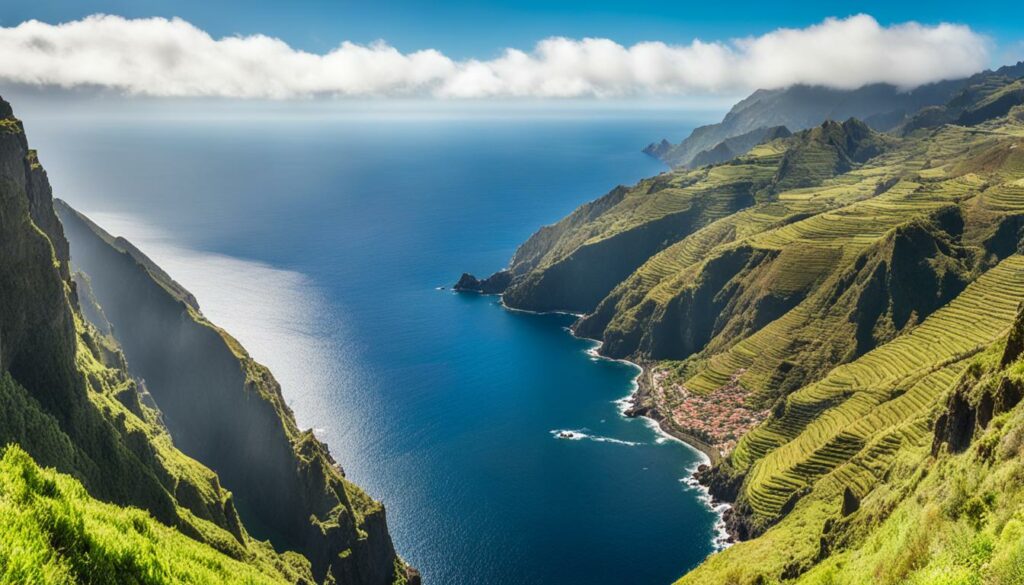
x=326 y=241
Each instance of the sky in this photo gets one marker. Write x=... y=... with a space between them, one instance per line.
x=482 y=29
x=496 y=50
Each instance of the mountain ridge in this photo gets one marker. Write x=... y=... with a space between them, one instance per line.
x=882 y=107
x=836 y=326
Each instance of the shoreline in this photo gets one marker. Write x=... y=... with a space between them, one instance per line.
x=651 y=412
x=640 y=392
x=630 y=407
x=641 y=383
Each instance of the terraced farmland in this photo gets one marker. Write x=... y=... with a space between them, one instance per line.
x=842 y=286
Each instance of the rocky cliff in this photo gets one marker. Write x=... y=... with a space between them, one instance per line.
x=115 y=378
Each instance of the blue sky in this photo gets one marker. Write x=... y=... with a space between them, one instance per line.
x=463 y=29
x=528 y=50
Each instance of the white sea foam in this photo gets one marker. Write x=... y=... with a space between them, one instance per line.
x=721 y=538
x=582 y=435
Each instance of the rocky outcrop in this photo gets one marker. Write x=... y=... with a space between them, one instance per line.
x=658 y=149
x=979 y=398
x=495 y=284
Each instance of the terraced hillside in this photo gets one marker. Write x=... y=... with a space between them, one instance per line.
x=125 y=500
x=845 y=344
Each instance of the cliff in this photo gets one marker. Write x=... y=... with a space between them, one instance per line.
x=149 y=413
x=838 y=319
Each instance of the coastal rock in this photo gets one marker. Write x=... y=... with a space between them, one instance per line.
x=658 y=149
x=494 y=284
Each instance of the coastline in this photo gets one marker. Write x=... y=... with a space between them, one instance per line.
x=641 y=404
x=632 y=406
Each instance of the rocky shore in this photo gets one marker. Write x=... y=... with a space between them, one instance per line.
x=648 y=401
x=644 y=403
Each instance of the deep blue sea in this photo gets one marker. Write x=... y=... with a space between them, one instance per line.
x=320 y=240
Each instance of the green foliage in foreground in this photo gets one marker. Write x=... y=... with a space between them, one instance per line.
x=52 y=532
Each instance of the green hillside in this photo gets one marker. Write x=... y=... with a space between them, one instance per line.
x=883 y=107
x=55 y=533
x=830 y=325
x=126 y=496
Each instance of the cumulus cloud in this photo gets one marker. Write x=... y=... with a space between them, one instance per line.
x=161 y=57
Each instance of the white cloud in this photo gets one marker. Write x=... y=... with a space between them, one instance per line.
x=160 y=57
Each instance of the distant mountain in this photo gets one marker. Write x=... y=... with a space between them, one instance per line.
x=990 y=98
x=882 y=107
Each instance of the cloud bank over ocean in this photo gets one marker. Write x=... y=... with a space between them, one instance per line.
x=173 y=58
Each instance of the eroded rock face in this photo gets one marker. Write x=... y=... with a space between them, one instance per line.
x=227 y=411
x=37 y=338
x=970 y=408
x=975 y=402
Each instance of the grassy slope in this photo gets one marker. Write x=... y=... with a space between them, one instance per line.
x=288 y=488
x=851 y=298
x=576 y=262
x=863 y=432
x=55 y=533
x=926 y=510
x=68 y=402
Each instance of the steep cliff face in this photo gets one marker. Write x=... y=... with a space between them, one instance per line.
x=226 y=411
x=68 y=399
x=678 y=301
x=43 y=349
x=579 y=280
x=38 y=347
x=575 y=263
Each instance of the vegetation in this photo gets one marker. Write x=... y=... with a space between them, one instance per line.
x=125 y=499
x=55 y=533
x=848 y=302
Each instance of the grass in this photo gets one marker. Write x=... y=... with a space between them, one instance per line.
x=132 y=507
x=868 y=279
x=53 y=532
